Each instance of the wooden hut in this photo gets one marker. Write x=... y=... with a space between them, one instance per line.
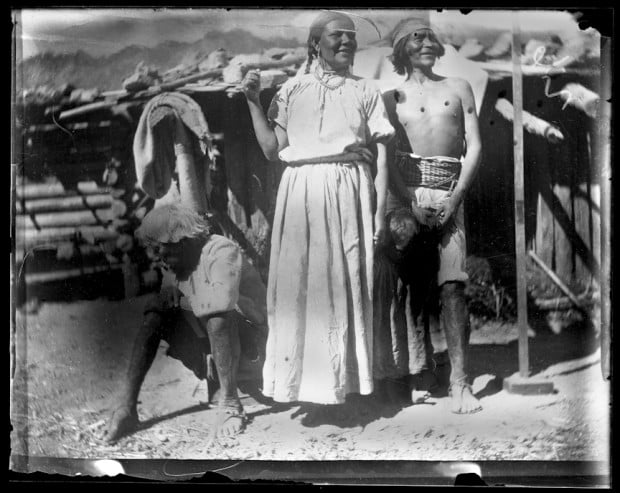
x=79 y=144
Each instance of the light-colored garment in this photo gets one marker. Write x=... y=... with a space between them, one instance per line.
x=162 y=145
x=321 y=121
x=452 y=249
x=319 y=295
x=224 y=280
x=453 y=245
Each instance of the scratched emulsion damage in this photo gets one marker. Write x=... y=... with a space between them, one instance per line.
x=70 y=375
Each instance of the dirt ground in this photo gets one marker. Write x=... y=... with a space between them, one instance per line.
x=76 y=353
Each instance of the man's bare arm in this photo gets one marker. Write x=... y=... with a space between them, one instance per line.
x=396 y=182
x=471 y=160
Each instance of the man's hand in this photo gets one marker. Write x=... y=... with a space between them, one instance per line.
x=446 y=210
x=250 y=86
x=424 y=216
x=170 y=297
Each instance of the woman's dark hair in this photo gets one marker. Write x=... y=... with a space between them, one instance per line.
x=311 y=53
x=400 y=54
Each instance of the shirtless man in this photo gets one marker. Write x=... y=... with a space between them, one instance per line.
x=435 y=160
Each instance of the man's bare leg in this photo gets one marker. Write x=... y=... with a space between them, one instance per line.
x=225 y=347
x=455 y=319
x=124 y=418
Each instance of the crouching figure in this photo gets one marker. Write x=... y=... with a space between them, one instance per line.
x=210 y=310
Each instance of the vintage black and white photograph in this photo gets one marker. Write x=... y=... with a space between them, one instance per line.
x=310 y=235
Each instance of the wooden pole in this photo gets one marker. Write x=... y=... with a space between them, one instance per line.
x=604 y=164
x=520 y=250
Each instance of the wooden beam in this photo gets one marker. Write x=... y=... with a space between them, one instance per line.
x=57 y=189
x=42 y=277
x=519 y=198
x=553 y=276
x=68 y=203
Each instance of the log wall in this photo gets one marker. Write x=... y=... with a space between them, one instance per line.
x=561 y=193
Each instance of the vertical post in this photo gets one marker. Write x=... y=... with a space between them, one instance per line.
x=18 y=392
x=520 y=252
x=604 y=164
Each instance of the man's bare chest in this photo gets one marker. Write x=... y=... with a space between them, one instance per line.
x=417 y=106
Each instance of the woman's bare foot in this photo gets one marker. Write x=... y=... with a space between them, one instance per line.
x=463 y=400
x=123 y=421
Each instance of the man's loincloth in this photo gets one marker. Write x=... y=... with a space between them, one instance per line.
x=431 y=181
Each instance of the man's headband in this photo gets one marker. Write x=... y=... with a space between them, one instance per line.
x=408 y=26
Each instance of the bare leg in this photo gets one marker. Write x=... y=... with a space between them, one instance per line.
x=124 y=418
x=225 y=346
x=455 y=318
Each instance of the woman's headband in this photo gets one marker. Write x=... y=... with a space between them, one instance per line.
x=327 y=16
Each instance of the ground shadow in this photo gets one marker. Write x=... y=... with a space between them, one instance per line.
x=357 y=410
x=274 y=408
x=545 y=350
x=148 y=423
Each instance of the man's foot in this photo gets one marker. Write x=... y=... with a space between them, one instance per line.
x=230 y=423
x=123 y=421
x=463 y=400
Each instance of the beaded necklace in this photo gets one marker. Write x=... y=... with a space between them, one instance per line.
x=319 y=78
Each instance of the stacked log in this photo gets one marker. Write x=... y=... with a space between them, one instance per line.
x=79 y=227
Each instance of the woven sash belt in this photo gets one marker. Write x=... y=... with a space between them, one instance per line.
x=437 y=172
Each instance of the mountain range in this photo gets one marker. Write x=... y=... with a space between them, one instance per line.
x=108 y=72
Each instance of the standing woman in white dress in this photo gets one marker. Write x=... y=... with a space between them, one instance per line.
x=323 y=125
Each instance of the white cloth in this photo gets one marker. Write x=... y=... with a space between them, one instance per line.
x=223 y=280
x=157 y=154
x=319 y=295
x=321 y=121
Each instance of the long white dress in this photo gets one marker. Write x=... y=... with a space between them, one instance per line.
x=319 y=294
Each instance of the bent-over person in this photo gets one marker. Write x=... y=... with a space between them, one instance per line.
x=212 y=304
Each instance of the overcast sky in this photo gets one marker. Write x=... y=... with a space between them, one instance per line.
x=104 y=31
